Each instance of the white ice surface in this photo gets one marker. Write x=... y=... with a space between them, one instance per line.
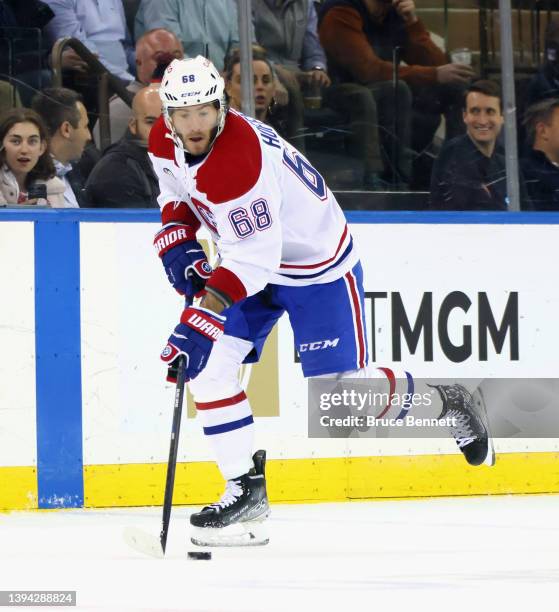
x=474 y=554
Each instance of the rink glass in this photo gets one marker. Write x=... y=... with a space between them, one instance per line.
x=357 y=157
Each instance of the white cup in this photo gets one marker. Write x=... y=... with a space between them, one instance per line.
x=461 y=56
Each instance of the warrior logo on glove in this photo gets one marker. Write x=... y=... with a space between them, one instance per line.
x=205 y=326
x=193 y=337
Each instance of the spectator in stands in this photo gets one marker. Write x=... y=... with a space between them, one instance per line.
x=541 y=166
x=208 y=28
x=24 y=54
x=124 y=177
x=545 y=84
x=66 y=118
x=363 y=38
x=101 y=26
x=264 y=87
x=470 y=173
x=152 y=48
x=288 y=31
x=26 y=169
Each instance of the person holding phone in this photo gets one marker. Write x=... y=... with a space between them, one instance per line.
x=27 y=174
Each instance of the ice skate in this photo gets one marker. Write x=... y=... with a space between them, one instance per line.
x=237 y=519
x=470 y=429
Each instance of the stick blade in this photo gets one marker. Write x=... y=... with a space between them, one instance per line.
x=143 y=542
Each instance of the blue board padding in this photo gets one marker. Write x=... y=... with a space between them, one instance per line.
x=91 y=215
x=58 y=365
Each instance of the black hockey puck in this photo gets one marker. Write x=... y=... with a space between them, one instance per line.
x=203 y=556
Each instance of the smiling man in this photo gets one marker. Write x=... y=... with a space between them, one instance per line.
x=469 y=173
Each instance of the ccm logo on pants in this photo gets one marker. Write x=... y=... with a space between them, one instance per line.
x=317 y=346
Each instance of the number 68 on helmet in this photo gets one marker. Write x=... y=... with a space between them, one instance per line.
x=192 y=82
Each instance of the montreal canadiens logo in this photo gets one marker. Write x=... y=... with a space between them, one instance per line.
x=167 y=351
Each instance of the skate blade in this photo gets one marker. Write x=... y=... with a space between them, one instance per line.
x=251 y=533
x=143 y=542
x=490 y=459
x=479 y=403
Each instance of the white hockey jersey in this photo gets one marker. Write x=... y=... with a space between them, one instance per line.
x=270 y=213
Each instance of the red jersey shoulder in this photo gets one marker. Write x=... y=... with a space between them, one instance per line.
x=234 y=164
x=160 y=143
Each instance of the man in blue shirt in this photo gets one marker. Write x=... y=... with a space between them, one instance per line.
x=208 y=28
x=288 y=32
x=287 y=29
x=101 y=26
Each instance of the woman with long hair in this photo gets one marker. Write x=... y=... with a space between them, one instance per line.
x=27 y=174
x=264 y=86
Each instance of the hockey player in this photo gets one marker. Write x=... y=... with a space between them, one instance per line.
x=284 y=246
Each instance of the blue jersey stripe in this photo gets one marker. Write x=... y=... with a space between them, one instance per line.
x=340 y=259
x=225 y=427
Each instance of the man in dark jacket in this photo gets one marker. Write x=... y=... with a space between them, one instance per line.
x=65 y=116
x=469 y=173
x=124 y=176
x=366 y=42
x=540 y=167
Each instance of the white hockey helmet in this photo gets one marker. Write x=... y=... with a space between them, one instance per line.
x=189 y=82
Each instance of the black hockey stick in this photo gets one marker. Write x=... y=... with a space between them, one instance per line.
x=173 y=450
x=136 y=538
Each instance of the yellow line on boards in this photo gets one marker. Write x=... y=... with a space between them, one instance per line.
x=329 y=479
x=18 y=488
x=302 y=480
